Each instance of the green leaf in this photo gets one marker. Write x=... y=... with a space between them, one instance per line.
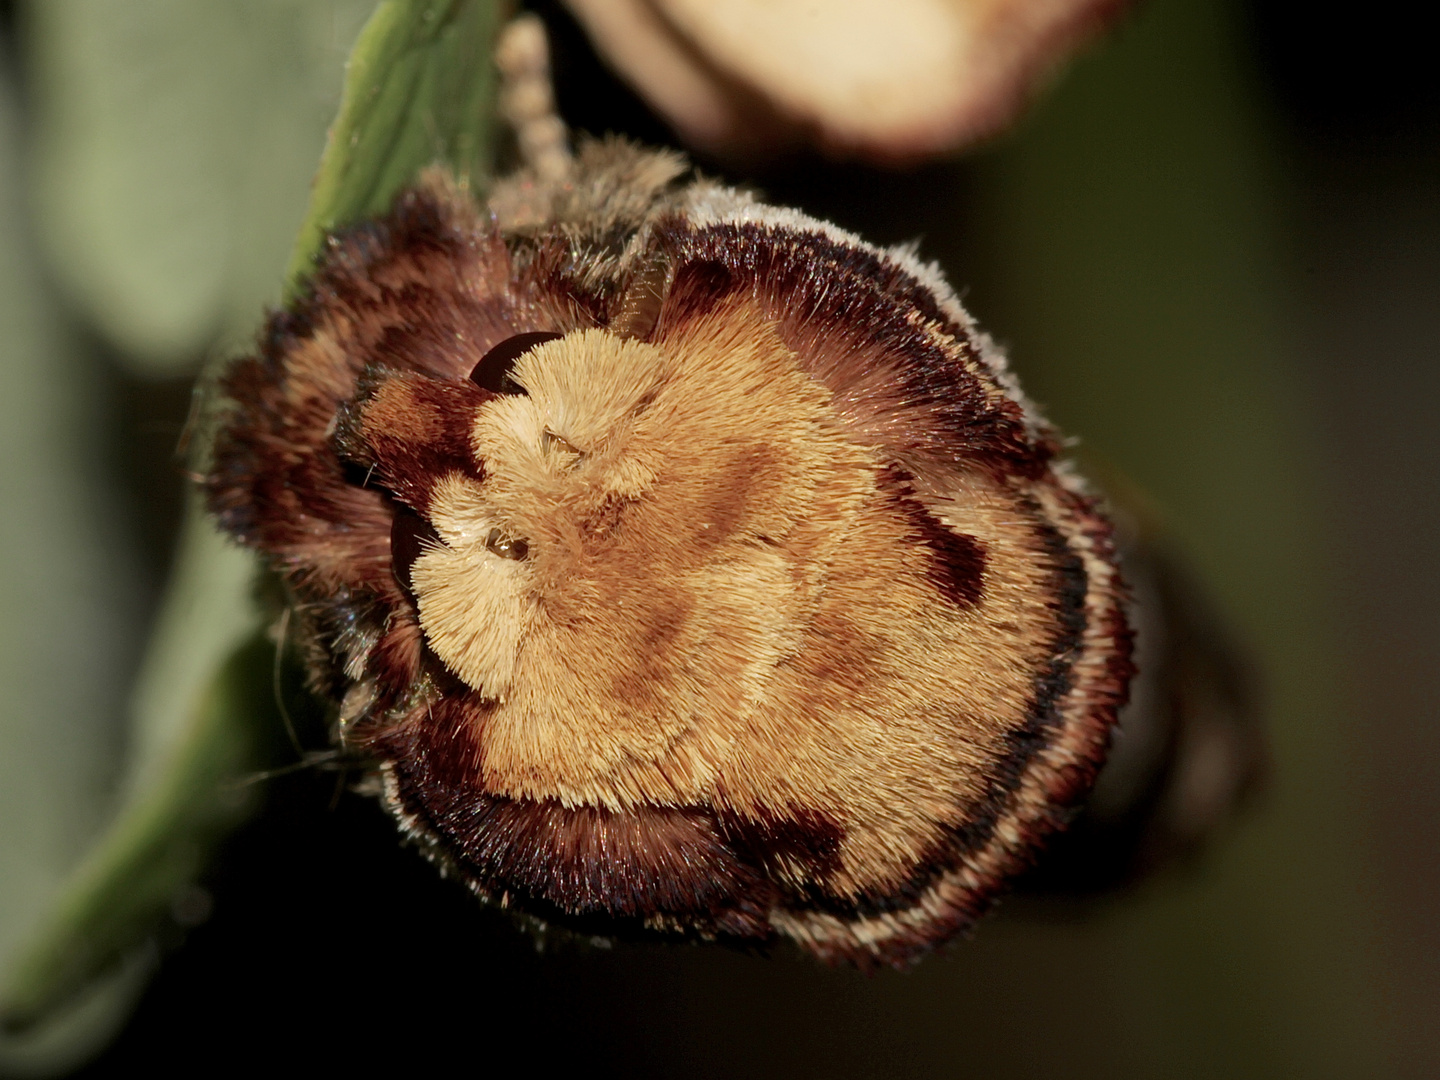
x=418 y=90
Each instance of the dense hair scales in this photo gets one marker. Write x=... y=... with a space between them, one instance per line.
x=680 y=562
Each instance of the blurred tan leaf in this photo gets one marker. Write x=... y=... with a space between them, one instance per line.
x=887 y=80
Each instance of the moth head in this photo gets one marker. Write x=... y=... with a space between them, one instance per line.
x=525 y=535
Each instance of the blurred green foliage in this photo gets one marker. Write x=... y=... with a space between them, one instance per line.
x=173 y=142
x=168 y=160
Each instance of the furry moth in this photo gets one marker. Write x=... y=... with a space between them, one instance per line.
x=678 y=561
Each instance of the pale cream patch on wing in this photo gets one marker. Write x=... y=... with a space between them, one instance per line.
x=474 y=604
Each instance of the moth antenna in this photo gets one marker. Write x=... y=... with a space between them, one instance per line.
x=315 y=759
x=339 y=788
x=193 y=415
x=527 y=98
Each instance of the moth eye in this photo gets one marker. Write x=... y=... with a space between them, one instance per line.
x=506 y=547
x=550 y=442
x=493 y=371
x=410 y=535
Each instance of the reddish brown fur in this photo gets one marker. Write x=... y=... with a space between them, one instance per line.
x=406 y=430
